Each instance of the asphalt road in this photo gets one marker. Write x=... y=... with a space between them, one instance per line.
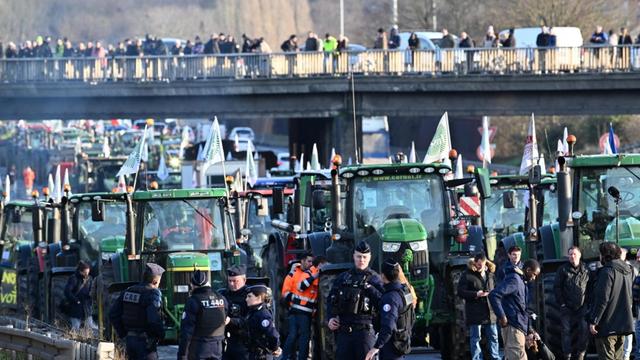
x=170 y=353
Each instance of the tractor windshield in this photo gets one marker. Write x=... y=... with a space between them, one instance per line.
x=91 y=233
x=598 y=207
x=550 y=212
x=174 y=225
x=506 y=219
x=18 y=230
x=378 y=199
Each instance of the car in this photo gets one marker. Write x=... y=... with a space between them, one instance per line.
x=282 y=161
x=244 y=135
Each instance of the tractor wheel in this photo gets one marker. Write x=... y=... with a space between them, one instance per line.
x=552 y=315
x=58 y=283
x=325 y=339
x=459 y=329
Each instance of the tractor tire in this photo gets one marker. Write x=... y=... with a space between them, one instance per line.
x=551 y=316
x=58 y=283
x=325 y=338
x=459 y=330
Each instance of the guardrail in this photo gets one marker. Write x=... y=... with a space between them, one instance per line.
x=439 y=62
x=18 y=341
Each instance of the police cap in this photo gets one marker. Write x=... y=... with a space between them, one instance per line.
x=153 y=269
x=389 y=265
x=237 y=270
x=258 y=290
x=199 y=278
x=363 y=247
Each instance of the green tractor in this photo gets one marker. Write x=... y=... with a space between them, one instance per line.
x=588 y=214
x=181 y=230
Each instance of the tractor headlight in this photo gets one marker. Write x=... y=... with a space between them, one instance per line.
x=418 y=245
x=390 y=246
x=181 y=288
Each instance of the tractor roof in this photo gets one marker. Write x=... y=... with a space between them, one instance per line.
x=179 y=194
x=392 y=169
x=602 y=160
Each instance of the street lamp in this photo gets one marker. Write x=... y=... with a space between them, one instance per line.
x=341 y=18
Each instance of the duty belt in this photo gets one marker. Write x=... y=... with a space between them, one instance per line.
x=355 y=327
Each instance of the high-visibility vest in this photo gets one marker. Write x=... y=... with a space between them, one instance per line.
x=304 y=290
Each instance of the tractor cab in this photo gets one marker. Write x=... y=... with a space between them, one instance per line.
x=96 y=174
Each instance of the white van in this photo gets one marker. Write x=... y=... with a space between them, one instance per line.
x=565 y=36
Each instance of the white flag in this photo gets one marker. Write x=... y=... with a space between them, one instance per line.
x=132 y=165
x=412 y=155
x=459 y=173
x=543 y=165
x=237 y=181
x=315 y=163
x=122 y=184
x=145 y=153
x=67 y=183
x=530 y=155
x=212 y=152
x=300 y=167
x=251 y=171
x=184 y=141
x=486 y=145
x=51 y=185
x=106 y=149
x=57 y=194
x=441 y=142
x=607 y=148
x=7 y=189
x=163 y=172
x=565 y=144
x=333 y=154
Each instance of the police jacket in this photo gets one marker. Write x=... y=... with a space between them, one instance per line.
x=611 y=310
x=393 y=315
x=262 y=334
x=477 y=309
x=570 y=286
x=354 y=296
x=237 y=311
x=202 y=321
x=138 y=309
x=509 y=299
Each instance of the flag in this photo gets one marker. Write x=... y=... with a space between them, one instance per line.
x=237 y=181
x=565 y=144
x=163 y=172
x=315 y=163
x=57 y=194
x=607 y=148
x=543 y=165
x=559 y=152
x=7 y=189
x=485 y=144
x=51 y=185
x=145 y=153
x=441 y=142
x=459 y=172
x=132 y=165
x=236 y=143
x=184 y=141
x=106 y=149
x=300 y=167
x=530 y=155
x=251 y=171
x=412 y=155
x=612 y=140
x=67 y=183
x=308 y=166
x=122 y=184
x=333 y=154
x=212 y=152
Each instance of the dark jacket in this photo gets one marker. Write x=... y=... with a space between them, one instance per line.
x=311 y=44
x=414 y=43
x=263 y=337
x=447 y=42
x=542 y=40
x=509 y=299
x=392 y=305
x=477 y=309
x=570 y=285
x=77 y=293
x=466 y=43
x=509 y=42
x=612 y=300
x=373 y=291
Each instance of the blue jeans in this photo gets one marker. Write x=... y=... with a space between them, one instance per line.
x=300 y=329
x=475 y=334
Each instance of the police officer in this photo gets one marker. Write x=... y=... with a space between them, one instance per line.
x=396 y=316
x=352 y=300
x=236 y=295
x=264 y=339
x=203 y=321
x=136 y=315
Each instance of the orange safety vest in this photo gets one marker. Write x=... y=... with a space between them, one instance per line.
x=303 y=287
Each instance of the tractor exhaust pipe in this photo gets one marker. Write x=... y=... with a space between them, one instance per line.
x=564 y=206
x=336 y=206
x=130 y=234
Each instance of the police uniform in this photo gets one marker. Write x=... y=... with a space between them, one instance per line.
x=236 y=348
x=137 y=316
x=396 y=318
x=354 y=296
x=263 y=337
x=203 y=321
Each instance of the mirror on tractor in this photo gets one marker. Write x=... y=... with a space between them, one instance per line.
x=97 y=211
x=535 y=175
x=482 y=180
x=319 y=199
x=278 y=200
x=263 y=207
x=509 y=199
x=16 y=216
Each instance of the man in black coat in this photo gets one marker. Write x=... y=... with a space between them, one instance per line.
x=474 y=286
x=570 y=290
x=77 y=295
x=611 y=316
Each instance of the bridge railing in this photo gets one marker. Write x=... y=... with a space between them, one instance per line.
x=440 y=62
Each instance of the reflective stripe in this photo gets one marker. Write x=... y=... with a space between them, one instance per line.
x=303 y=298
x=303 y=308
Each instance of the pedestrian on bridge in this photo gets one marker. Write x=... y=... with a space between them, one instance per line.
x=137 y=315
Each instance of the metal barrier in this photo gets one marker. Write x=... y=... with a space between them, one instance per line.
x=439 y=62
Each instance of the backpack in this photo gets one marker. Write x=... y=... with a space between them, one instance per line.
x=401 y=339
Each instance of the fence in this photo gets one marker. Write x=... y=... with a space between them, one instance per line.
x=439 y=62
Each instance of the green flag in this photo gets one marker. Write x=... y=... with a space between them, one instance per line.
x=441 y=142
